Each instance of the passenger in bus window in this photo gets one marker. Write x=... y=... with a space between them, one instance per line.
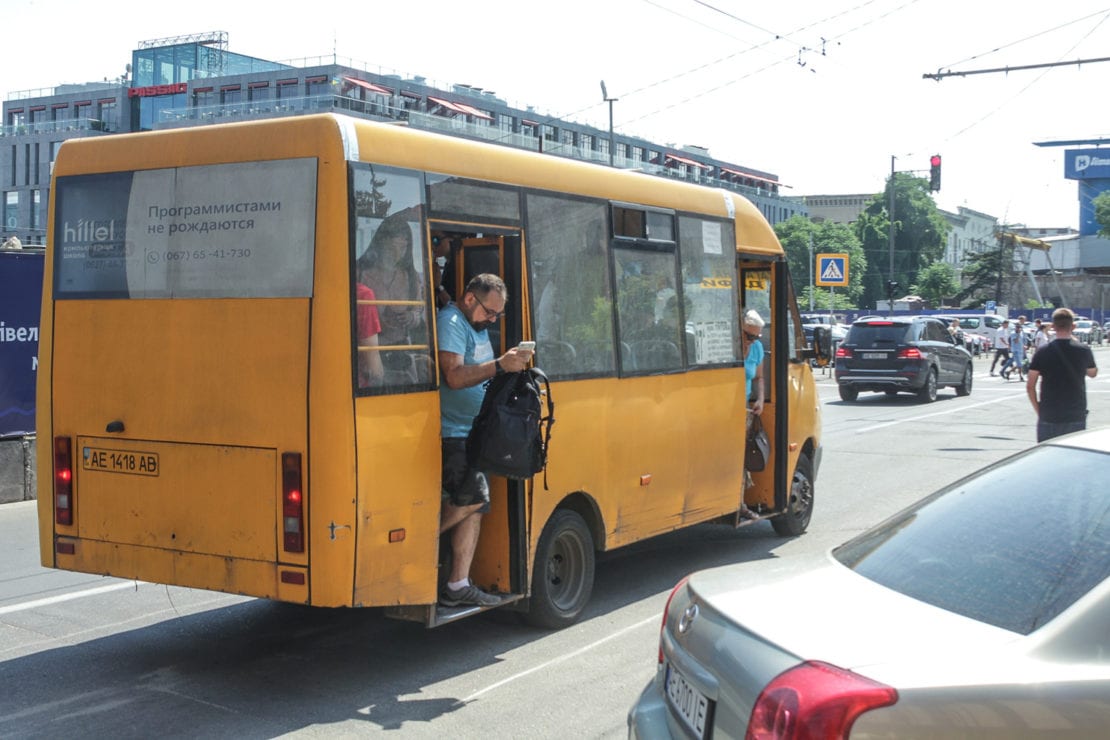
x=752 y=329
x=368 y=326
x=466 y=362
x=390 y=270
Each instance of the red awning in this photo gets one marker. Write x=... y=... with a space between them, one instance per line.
x=446 y=104
x=690 y=162
x=748 y=175
x=474 y=111
x=369 y=86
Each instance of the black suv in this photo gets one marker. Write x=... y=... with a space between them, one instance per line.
x=904 y=353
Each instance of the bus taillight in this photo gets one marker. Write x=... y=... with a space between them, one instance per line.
x=63 y=481
x=292 y=507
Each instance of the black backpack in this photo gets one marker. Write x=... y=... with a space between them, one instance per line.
x=510 y=434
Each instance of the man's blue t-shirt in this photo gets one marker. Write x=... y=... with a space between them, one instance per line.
x=751 y=364
x=458 y=407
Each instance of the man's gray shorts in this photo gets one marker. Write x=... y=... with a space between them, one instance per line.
x=462 y=485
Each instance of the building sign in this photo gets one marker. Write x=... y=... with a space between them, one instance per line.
x=832 y=270
x=1086 y=164
x=149 y=90
x=20 y=303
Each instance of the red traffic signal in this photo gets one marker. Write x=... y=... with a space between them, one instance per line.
x=934 y=172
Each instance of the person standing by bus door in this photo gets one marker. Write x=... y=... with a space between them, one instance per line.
x=751 y=329
x=466 y=362
x=1062 y=367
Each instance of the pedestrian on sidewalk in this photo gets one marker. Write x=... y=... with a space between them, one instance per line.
x=1061 y=368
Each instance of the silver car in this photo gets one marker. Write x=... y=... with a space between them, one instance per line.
x=982 y=611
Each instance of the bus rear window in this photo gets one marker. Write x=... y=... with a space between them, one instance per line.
x=243 y=230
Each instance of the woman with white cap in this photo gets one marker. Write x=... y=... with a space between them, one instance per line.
x=752 y=347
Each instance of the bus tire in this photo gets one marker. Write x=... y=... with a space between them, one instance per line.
x=563 y=574
x=799 y=505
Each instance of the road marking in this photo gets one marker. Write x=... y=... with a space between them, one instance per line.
x=957 y=410
x=67 y=597
x=650 y=620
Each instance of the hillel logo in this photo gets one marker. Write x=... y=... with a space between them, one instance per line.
x=89 y=230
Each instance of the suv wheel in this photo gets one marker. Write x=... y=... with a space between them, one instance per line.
x=928 y=392
x=848 y=393
x=964 y=389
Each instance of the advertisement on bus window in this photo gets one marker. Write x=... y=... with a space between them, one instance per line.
x=244 y=230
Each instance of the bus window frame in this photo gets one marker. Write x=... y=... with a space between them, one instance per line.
x=429 y=300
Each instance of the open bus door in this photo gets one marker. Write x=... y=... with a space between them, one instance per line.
x=501 y=560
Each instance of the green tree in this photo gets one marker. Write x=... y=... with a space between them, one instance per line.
x=1102 y=213
x=920 y=232
x=827 y=238
x=984 y=273
x=936 y=282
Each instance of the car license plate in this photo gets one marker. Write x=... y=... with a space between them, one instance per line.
x=874 y=355
x=132 y=462
x=689 y=703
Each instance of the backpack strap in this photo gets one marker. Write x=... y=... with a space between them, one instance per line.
x=547 y=421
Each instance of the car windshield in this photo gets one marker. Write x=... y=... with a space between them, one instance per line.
x=866 y=335
x=1083 y=324
x=1012 y=546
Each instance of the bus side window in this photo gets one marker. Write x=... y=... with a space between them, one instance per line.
x=711 y=323
x=570 y=287
x=392 y=340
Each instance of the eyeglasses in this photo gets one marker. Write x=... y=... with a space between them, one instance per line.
x=751 y=337
x=490 y=315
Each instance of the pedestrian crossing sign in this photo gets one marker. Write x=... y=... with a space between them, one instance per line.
x=832 y=270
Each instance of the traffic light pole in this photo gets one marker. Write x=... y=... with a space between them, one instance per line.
x=890 y=238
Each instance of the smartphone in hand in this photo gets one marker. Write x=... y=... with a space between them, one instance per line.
x=527 y=346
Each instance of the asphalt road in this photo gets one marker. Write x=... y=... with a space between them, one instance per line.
x=96 y=657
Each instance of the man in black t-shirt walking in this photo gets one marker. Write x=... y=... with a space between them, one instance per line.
x=1062 y=367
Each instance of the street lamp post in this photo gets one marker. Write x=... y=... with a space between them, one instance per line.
x=610 y=101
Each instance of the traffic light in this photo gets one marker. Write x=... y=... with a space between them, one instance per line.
x=891 y=286
x=934 y=172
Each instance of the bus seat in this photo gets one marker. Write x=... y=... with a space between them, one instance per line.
x=595 y=357
x=555 y=357
x=656 y=354
x=628 y=362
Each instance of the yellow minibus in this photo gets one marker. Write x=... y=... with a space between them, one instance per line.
x=213 y=414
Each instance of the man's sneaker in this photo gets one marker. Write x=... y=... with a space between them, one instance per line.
x=469 y=595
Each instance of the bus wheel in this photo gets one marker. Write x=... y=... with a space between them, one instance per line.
x=563 y=574
x=799 y=507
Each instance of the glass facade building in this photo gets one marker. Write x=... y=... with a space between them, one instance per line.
x=195 y=80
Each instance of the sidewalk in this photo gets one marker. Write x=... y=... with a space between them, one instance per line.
x=17 y=469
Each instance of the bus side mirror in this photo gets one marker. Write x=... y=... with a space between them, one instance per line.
x=822 y=345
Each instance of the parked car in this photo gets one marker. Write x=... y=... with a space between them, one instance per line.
x=1087 y=331
x=967 y=614
x=903 y=353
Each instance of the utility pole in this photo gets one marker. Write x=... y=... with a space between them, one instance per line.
x=890 y=239
x=610 y=101
x=811 y=271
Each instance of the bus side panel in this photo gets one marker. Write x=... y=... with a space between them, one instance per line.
x=398 y=489
x=648 y=483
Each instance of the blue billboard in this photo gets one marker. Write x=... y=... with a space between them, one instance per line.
x=1091 y=167
x=20 y=303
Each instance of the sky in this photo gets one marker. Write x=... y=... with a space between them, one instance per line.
x=823 y=93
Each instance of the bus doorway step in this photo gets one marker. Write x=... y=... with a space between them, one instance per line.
x=434 y=615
